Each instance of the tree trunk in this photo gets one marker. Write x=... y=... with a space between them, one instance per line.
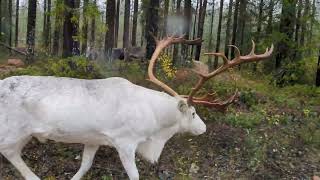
x=117 y=24
x=218 y=34
x=70 y=29
x=202 y=15
x=57 y=27
x=126 y=24
x=270 y=17
x=134 y=22
x=47 y=25
x=210 y=45
x=85 y=27
x=242 y=22
x=10 y=22
x=258 y=34
x=44 y=28
x=188 y=20
x=93 y=28
x=287 y=22
x=177 y=46
x=298 y=22
x=109 y=40
x=227 y=41
x=0 y=20
x=16 y=40
x=313 y=14
x=235 y=26
x=165 y=17
x=31 y=29
x=318 y=72
x=194 y=26
x=151 y=26
x=306 y=16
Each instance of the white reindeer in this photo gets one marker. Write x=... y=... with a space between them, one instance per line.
x=112 y=112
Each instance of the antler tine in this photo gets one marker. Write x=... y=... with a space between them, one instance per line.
x=238 y=54
x=162 y=44
x=253 y=48
x=223 y=56
x=227 y=64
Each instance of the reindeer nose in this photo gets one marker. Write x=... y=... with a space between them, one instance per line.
x=203 y=128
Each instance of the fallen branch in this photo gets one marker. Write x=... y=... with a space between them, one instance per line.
x=13 y=49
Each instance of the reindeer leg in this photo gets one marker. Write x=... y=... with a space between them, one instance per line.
x=87 y=160
x=13 y=154
x=127 y=157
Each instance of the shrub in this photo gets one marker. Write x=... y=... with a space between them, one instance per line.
x=75 y=67
x=248 y=97
x=290 y=74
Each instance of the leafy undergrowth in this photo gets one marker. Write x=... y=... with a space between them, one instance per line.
x=269 y=133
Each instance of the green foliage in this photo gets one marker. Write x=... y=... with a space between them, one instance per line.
x=75 y=67
x=104 y=177
x=91 y=10
x=290 y=74
x=244 y=120
x=248 y=97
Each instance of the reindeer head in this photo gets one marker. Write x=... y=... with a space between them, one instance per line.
x=190 y=121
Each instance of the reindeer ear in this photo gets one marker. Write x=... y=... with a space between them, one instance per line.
x=182 y=106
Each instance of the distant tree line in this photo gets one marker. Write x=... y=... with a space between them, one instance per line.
x=71 y=26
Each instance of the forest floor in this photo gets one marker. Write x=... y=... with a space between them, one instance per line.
x=270 y=133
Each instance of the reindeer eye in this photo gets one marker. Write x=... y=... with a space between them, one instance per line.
x=193 y=114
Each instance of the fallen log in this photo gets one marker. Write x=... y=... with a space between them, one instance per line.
x=13 y=49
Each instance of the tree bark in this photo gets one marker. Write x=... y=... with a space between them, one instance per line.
x=176 y=47
x=270 y=17
x=16 y=40
x=126 y=24
x=47 y=26
x=306 y=16
x=312 y=20
x=188 y=20
x=287 y=22
x=210 y=45
x=318 y=72
x=194 y=26
x=218 y=34
x=93 y=28
x=10 y=22
x=85 y=27
x=242 y=22
x=259 y=27
x=70 y=29
x=151 y=26
x=135 y=22
x=44 y=28
x=31 y=29
x=117 y=24
x=202 y=15
x=235 y=26
x=298 y=22
x=165 y=17
x=227 y=41
x=0 y=20
x=57 y=27
x=109 y=40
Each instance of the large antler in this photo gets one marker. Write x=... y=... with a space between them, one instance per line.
x=205 y=75
x=202 y=71
x=160 y=46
